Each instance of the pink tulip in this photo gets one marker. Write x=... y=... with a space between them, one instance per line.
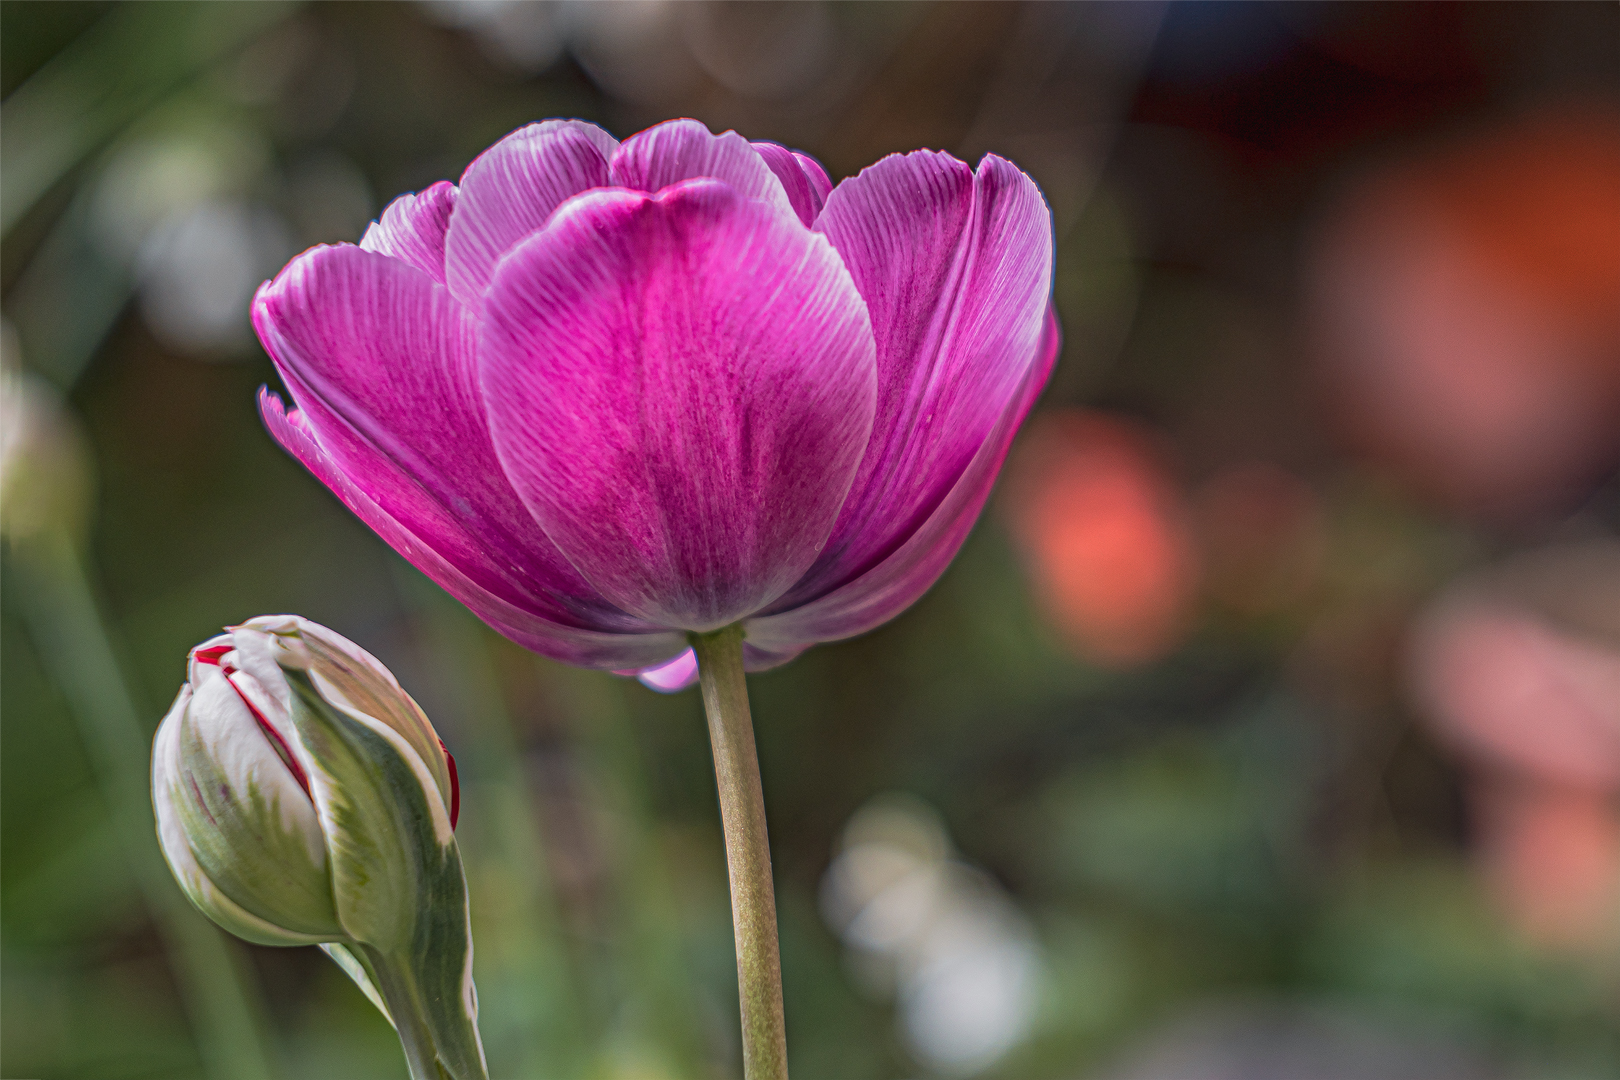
x=608 y=394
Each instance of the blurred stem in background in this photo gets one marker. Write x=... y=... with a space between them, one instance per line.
x=552 y=1005
x=531 y=1011
x=113 y=74
x=748 y=852
x=60 y=609
x=56 y=131
x=651 y=957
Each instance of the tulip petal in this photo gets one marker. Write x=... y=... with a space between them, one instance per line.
x=412 y=229
x=511 y=189
x=685 y=150
x=252 y=829
x=898 y=581
x=370 y=349
x=348 y=677
x=956 y=268
x=667 y=678
x=682 y=672
x=381 y=360
x=558 y=640
x=802 y=177
x=168 y=794
x=679 y=386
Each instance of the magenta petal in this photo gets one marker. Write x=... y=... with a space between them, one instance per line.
x=685 y=150
x=679 y=386
x=682 y=672
x=412 y=227
x=956 y=269
x=817 y=176
x=570 y=644
x=672 y=675
x=802 y=177
x=762 y=656
x=899 y=580
x=512 y=189
x=381 y=360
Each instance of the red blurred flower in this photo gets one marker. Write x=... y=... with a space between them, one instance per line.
x=1519 y=670
x=1104 y=532
x=1467 y=309
x=1552 y=856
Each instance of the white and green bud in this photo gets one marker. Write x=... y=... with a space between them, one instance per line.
x=302 y=798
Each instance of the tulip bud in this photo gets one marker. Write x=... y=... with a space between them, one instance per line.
x=302 y=797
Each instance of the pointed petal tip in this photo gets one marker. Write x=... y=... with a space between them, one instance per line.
x=412 y=228
x=598 y=136
x=677 y=150
x=802 y=178
x=265 y=308
x=276 y=417
x=510 y=191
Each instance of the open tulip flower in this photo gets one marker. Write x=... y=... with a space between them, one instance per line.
x=607 y=393
x=675 y=406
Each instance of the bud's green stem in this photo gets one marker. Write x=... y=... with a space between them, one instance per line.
x=403 y=995
x=748 y=852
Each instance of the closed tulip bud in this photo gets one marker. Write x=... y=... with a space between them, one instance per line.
x=302 y=797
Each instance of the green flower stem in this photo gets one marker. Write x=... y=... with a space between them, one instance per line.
x=60 y=610
x=748 y=852
x=403 y=996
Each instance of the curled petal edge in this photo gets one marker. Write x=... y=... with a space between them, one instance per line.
x=682 y=672
x=412 y=227
x=801 y=176
x=571 y=645
x=900 y=580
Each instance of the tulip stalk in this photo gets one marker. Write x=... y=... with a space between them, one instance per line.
x=748 y=852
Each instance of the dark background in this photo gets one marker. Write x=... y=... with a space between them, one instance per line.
x=1171 y=787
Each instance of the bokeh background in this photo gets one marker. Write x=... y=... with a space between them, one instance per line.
x=1268 y=726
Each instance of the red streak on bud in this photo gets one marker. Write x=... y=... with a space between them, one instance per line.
x=282 y=750
x=211 y=656
x=455 y=785
x=201 y=802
